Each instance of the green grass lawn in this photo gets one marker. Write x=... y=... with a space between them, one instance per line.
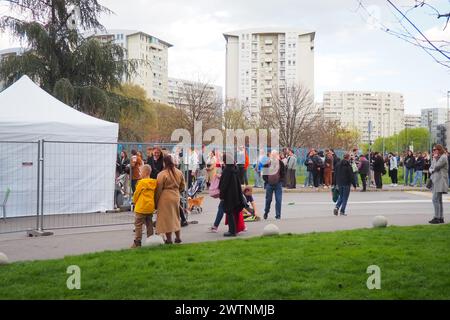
x=414 y=264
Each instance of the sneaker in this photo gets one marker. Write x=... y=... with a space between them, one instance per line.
x=265 y=215
x=441 y=220
x=435 y=221
x=278 y=218
x=213 y=229
x=229 y=234
x=343 y=214
x=335 y=211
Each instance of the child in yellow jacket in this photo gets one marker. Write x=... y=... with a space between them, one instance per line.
x=144 y=205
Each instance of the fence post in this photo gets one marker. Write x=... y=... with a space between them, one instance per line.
x=39 y=232
x=38 y=195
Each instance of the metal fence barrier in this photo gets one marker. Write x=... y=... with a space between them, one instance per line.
x=19 y=172
x=57 y=185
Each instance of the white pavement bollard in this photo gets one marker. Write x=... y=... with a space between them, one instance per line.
x=3 y=258
x=153 y=241
x=379 y=222
x=271 y=230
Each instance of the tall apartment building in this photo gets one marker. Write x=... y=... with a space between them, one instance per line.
x=432 y=117
x=178 y=88
x=354 y=109
x=152 y=75
x=262 y=61
x=413 y=121
x=4 y=54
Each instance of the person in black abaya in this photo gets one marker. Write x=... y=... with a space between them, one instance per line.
x=231 y=194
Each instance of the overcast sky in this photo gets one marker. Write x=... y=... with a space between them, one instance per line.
x=351 y=53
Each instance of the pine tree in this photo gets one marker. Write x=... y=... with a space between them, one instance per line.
x=81 y=71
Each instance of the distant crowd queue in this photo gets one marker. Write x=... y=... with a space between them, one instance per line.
x=158 y=182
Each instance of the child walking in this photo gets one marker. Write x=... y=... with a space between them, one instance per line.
x=144 y=201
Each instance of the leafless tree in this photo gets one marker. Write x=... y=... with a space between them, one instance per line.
x=293 y=113
x=408 y=30
x=198 y=101
x=237 y=115
x=330 y=133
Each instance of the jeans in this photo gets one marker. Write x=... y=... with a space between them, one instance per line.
x=259 y=182
x=344 y=193
x=270 y=189
x=364 y=180
x=316 y=178
x=393 y=174
x=378 y=179
x=219 y=214
x=309 y=179
x=418 y=178
x=355 y=179
x=409 y=172
x=438 y=205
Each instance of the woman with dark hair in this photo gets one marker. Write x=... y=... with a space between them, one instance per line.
x=123 y=162
x=439 y=179
x=155 y=161
x=231 y=194
x=169 y=183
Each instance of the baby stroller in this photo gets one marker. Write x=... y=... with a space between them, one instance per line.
x=191 y=201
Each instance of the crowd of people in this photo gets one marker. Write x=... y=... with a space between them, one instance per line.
x=158 y=181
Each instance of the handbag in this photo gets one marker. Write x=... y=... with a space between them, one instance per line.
x=335 y=193
x=214 y=190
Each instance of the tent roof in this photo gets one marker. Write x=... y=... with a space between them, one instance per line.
x=28 y=109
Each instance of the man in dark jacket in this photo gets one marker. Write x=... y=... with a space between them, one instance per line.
x=344 y=179
x=410 y=163
x=335 y=162
x=317 y=166
x=273 y=175
x=364 y=171
x=418 y=168
x=378 y=169
x=231 y=194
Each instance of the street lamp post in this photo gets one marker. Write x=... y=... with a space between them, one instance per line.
x=429 y=130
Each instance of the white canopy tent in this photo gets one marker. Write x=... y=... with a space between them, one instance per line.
x=78 y=177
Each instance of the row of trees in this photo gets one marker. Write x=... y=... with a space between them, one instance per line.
x=417 y=138
x=87 y=74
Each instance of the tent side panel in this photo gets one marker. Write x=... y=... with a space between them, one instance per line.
x=78 y=177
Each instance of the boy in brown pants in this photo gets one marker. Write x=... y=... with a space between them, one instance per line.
x=144 y=201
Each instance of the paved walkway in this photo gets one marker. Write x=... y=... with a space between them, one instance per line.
x=301 y=213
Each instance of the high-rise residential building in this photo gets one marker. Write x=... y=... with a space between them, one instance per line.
x=432 y=117
x=4 y=54
x=262 y=61
x=354 y=109
x=179 y=89
x=151 y=53
x=413 y=121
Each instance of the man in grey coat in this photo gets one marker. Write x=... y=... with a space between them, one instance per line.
x=291 y=179
x=439 y=178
